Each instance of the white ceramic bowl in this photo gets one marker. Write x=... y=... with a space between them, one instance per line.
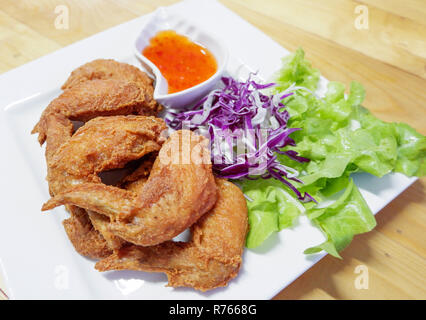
x=162 y=20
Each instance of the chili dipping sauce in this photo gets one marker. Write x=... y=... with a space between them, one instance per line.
x=182 y=62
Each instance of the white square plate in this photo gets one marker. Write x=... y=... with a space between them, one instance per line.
x=37 y=259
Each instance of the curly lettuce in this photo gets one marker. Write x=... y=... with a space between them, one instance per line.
x=340 y=137
x=348 y=216
x=271 y=209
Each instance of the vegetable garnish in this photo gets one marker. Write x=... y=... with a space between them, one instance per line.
x=257 y=135
x=340 y=137
x=247 y=130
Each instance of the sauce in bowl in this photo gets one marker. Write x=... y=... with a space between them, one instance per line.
x=182 y=63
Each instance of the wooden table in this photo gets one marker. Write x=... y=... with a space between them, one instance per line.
x=389 y=58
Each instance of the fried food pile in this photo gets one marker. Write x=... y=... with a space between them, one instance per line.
x=168 y=184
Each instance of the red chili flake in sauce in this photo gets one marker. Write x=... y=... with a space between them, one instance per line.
x=182 y=62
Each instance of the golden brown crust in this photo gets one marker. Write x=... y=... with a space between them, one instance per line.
x=100 y=224
x=67 y=161
x=103 y=143
x=175 y=196
x=131 y=228
x=59 y=130
x=133 y=182
x=107 y=69
x=92 y=99
x=141 y=174
x=209 y=260
x=111 y=88
x=102 y=69
x=85 y=239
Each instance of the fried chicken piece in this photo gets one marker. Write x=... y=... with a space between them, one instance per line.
x=84 y=102
x=108 y=69
x=67 y=164
x=92 y=99
x=102 y=144
x=111 y=69
x=89 y=237
x=179 y=190
x=85 y=239
x=133 y=182
x=209 y=260
x=100 y=224
x=59 y=130
x=141 y=173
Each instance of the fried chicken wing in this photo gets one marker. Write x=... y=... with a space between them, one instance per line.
x=108 y=69
x=111 y=69
x=67 y=163
x=141 y=173
x=133 y=182
x=103 y=143
x=175 y=196
x=209 y=260
x=100 y=224
x=58 y=130
x=130 y=222
x=92 y=99
x=85 y=239
x=126 y=90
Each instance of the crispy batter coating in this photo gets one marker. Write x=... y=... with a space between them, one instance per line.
x=59 y=130
x=102 y=144
x=131 y=227
x=92 y=99
x=86 y=240
x=107 y=69
x=121 y=90
x=111 y=69
x=67 y=164
x=209 y=260
x=141 y=173
x=133 y=182
x=175 y=196
x=100 y=224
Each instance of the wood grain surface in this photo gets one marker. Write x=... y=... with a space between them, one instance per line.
x=389 y=58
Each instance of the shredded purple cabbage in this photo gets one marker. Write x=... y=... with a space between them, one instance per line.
x=239 y=115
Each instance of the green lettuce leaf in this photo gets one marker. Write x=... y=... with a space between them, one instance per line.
x=340 y=137
x=411 y=151
x=295 y=69
x=346 y=217
x=271 y=209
